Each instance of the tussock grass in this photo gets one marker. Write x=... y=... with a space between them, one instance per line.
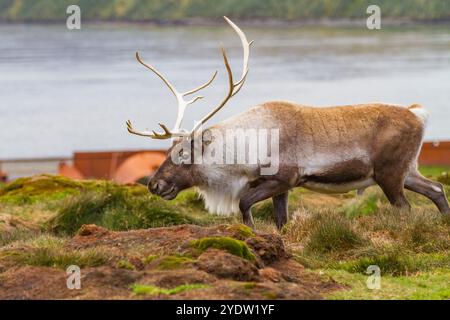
x=116 y=209
x=62 y=205
x=332 y=232
x=399 y=242
x=323 y=231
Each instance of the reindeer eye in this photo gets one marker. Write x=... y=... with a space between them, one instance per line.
x=183 y=154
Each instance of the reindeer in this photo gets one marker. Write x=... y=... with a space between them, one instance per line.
x=326 y=149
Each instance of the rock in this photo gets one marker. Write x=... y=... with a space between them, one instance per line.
x=225 y=265
x=269 y=247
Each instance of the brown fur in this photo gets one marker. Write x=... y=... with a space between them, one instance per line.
x=330 y=146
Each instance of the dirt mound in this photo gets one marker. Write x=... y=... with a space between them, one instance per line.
x=191 y=262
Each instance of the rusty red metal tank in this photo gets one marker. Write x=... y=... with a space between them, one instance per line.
x=121 y=166
x=435 y=153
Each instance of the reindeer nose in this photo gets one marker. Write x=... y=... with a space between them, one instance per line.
x=156 y=186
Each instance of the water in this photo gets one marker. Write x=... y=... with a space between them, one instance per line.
x=63 y=91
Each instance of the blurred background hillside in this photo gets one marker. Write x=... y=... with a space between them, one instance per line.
x=172 y=10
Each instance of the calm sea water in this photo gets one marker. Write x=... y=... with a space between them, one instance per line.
x=62 y=91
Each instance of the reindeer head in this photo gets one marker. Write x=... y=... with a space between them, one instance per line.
x=178 y=171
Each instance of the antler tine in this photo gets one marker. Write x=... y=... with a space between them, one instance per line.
x=139 y=133
x=167 y=133
x=246 y=46
x=167 y=82
x=155 y=135
x=228 y=96
x=233 y=88
x=200 y=87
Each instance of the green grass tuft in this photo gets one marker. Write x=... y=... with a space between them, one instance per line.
x=116 y=209
x=49 y=251
x=333 y=233
x=362 y=205
x=150 y=258
x=125 y=264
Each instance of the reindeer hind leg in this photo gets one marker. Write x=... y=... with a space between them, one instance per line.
x=430 y=189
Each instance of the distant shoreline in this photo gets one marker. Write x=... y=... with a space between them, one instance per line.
x=213 y=22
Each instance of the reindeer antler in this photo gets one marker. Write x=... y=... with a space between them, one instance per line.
x=233 y=89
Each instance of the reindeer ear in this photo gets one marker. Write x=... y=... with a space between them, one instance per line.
x=175 y=141
x=201 y=141
x=207 y=137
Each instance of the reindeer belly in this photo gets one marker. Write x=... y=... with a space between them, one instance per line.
x=339 y=177
x=339 y=187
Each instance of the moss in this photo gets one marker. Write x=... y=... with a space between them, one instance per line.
x=270 y=295
x=242 y=230
x=124 y=264
x=142 y=289
x=174 y=262
x=249 y=285
x=233 y=246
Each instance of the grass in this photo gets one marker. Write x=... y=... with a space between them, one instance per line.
x=364 y=205
x=60 y=205
x=46 y=188
x=116 y=209
x=125 y=264
x=424 y=285
x=332 y=233
x=142 y=289
x=49 y=251
x=9 y=237
x=433 y=171
x=233 y=246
